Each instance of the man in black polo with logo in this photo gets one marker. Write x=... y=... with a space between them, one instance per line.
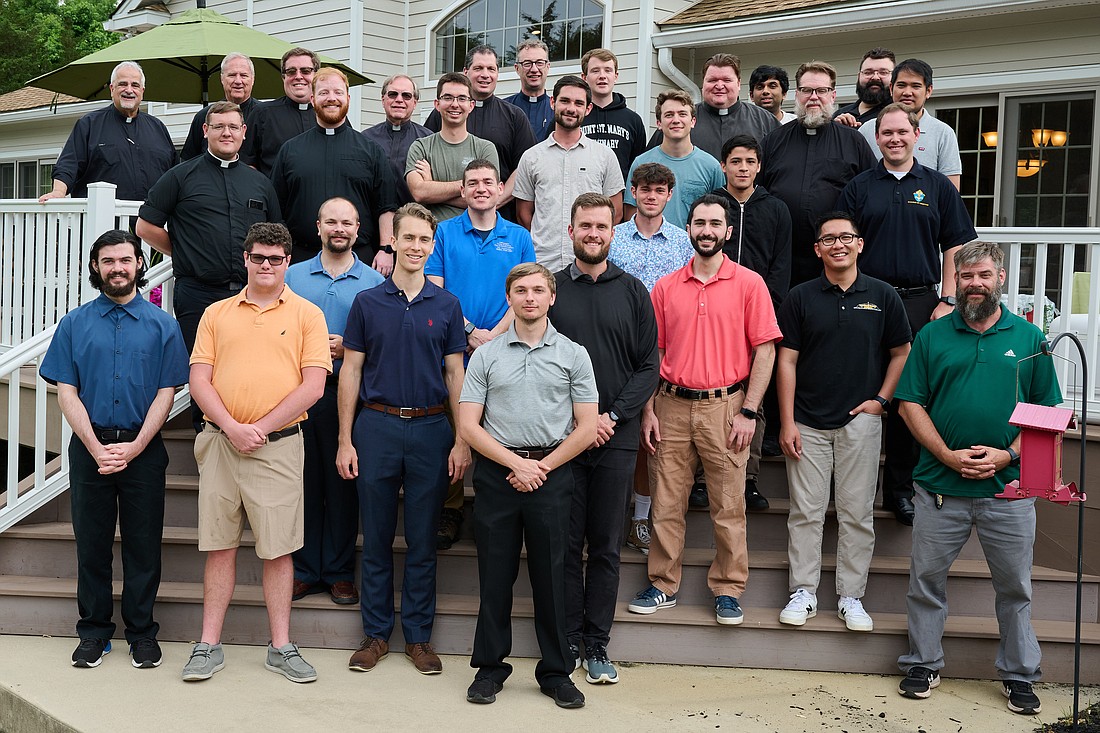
x=913 y=220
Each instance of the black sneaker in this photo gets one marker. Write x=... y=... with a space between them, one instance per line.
x=145 y=653
x=566 y=695
x=919 y=683
x=90 y=652
x=754 y=500
x=698 y=497
x=450 y=525
x=483 y=691
x=1021 y=698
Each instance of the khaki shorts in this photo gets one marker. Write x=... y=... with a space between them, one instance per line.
x=265 y=485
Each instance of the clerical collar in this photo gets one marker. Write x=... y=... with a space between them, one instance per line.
x=129 y=120
x=810 y=130
x=723 y=112
x=479 y=102
x=330 y=130
x=533 y=100
x=395 y=128
x=303 y=107
x=221 y=162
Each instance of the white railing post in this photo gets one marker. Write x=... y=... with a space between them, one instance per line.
x=101 y=218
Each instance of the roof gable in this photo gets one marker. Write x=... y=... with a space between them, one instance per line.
x=709 y=11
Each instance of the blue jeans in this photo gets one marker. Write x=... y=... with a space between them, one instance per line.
x=1006 y=530
x=394 y=454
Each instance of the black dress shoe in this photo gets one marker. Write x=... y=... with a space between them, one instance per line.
x=903 y=510
x=698 y=496
x=754 y=500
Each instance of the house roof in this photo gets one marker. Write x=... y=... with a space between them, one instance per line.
x=1040 y=417
x=709 y=11
x=31 y=97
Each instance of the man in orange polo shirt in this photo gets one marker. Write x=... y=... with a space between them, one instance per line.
x=259 y=362
x=716 y=334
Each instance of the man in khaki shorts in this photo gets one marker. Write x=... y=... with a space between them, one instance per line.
x=259 y=362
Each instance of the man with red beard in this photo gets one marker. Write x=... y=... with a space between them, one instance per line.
x=872 y=88
x=808 y=161
x=334 y=160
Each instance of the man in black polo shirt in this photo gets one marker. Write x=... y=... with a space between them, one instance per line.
x=208 y=202
x=913 y=220
x=237 y=76
x=273 y=123
x=398 y=333
x=608 y=312
x=854 y=329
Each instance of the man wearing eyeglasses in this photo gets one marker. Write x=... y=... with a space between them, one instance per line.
x=117 y=144
x=273 y=123
x=435 y=164
x=399 y=98
x=208 y=203
x=259 y=362
x=872 y=88
x=808 y=162
x=853 y=328
x=533 y=66
x=237 y=76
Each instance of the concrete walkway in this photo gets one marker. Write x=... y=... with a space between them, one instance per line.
x=35 y=675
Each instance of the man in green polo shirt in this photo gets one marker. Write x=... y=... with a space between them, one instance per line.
x=961 y=382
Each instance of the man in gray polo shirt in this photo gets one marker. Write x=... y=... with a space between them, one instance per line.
x=522 y=394
x=553 y=173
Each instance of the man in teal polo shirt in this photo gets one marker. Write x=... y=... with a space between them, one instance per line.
x=960 y=385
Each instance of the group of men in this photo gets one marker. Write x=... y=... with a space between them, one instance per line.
x=641 y=298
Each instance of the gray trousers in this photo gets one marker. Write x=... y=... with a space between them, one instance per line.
x=849 y=453
x=1006 y=530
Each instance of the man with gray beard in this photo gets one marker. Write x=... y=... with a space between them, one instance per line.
x=804 y=164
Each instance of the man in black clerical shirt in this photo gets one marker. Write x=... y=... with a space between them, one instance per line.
x=237 y=76
x=270 y=124
x=396 y=135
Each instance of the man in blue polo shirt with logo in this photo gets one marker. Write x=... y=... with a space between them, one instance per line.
x=397 y=336
x=913 y=221
x=474 y=252
x=116 y=361
x=331 y=280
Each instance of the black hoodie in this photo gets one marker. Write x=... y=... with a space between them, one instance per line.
x=761 y=239
x=619 y=128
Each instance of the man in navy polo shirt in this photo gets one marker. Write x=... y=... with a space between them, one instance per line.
x=913 y=221
x=116 y=362
x=474 y=252
x=330 y=281
x=397 y=336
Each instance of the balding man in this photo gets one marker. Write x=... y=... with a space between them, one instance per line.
x=237 y=75
x=399 y=97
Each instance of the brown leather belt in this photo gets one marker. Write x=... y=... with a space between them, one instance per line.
x=271 y=437
x=405 y=412
x=535 y=454
x=701 y=394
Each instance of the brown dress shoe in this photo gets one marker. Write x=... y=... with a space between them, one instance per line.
x=370 y=652
x=344 y=593
x=424 y=658
x=302 y=589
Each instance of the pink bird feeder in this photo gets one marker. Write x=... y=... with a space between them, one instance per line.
x=1041 y=430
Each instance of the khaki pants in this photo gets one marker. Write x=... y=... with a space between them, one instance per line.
x=696 y=431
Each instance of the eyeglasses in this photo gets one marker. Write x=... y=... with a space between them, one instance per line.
x=394 y=94
x=448 y=98
x=304 y=71
x=275 y=260
x=538 y=63
x=830 y=239
x=219 y=126
x=868 y=73
x=810 y=91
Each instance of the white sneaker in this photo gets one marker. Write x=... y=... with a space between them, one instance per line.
x=855 y=618
x=803 y=605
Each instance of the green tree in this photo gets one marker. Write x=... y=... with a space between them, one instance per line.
x=43 y=35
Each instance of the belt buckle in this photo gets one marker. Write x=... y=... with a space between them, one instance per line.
x=522 y=453
x=406 y=412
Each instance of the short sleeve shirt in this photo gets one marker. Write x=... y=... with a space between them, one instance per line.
x=937 y=147
x=649 y=260
x=696 y=173
x=448 y=162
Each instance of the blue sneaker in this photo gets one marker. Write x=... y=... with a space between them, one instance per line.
x=599 y=667
x=650 y=599
x=728 y=611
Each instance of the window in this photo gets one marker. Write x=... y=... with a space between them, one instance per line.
x=1053 y=154
x=976 y=130
x=568 y=27
x=25 y=179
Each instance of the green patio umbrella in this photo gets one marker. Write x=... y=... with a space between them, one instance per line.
x=182 y=61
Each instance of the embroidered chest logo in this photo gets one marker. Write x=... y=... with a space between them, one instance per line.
x=1011 y=353
x=867 y=307
x=918 y=196
x=429 y=323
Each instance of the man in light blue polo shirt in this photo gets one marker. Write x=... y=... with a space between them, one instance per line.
x=474 y=252
x=331 y=280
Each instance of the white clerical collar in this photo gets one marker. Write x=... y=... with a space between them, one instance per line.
x=303 y=107
x=533 y=100
x=723 y=112
x=479 y=102
x=330 y=130
x=395 y=128
x=223 y=163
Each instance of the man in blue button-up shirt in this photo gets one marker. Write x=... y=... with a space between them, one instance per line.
x=116 y=362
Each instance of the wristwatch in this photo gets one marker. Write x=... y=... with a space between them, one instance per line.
x=469 y=327
x=750 y=414
x=1014 y=457
x=387 y=249
x=882 y=401
x=949 y=300
x=614 y=418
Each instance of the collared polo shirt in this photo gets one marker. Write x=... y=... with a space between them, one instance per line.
x=553 y=177
x=649 y=260
x=258 y=353
x=937 y=147
x=117 y=357
x=475 y=269
x=333 y=295
x=696 y=173
x=843 y=339
x=404 y=343
x=529 y=391
x=208 y=205
x=969 y=383
x=708 y=330
x=906 y=224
